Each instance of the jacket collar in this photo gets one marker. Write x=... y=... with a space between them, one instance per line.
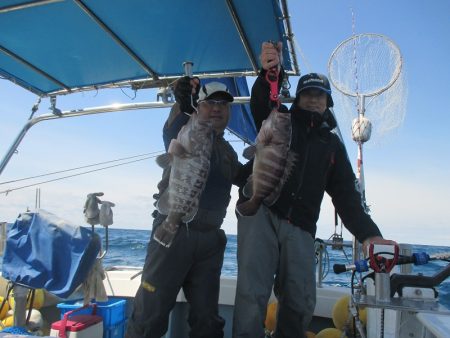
x=313 y=119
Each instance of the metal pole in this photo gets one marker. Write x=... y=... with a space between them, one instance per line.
x=99 y=110
x=360 y=177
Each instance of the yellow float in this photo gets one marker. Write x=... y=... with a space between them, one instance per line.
x=38 y=301
x=271 y=319
x=330 y=333
x=4 y=309
x=35 y=323
x=340 y=313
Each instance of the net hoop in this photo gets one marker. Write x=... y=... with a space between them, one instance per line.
x=378 y=91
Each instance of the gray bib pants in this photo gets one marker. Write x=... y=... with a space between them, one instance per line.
x=273 y=252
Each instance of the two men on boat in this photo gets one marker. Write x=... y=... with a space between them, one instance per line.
x=276 y=244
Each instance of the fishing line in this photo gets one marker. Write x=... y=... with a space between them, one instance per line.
x=302 y=55
x=78 y=168
x=6 y=192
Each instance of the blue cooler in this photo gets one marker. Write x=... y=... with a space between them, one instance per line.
x=113 y=313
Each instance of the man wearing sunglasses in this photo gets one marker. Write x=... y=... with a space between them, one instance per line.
x=194 y=260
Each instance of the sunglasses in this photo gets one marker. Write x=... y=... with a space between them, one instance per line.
x=211 y=103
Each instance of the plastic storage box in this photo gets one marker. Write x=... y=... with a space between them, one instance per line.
x=113 y=313
x=74 y=325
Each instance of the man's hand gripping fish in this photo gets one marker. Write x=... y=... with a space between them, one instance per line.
x=189 y=157
x=272 y=165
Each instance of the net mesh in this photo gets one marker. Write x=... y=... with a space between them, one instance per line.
x=371 y=65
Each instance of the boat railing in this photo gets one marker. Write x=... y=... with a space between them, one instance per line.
x=322 y=255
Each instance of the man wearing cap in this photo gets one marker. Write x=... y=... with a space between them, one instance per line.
x=276 y=245
x=194 y=260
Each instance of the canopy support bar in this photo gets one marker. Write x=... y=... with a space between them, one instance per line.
x=97 y=110
x=242 y=35
x=163 y=81
x=34 y=68
x=27 y=5
x=114 y=36
x=290 y=35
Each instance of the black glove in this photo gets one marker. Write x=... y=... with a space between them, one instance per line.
x=183 y=93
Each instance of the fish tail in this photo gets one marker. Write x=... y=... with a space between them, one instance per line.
x=248 y=208
x=165 y=233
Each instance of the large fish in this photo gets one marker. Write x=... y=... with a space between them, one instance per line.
x=189 y=158
x=273 y=162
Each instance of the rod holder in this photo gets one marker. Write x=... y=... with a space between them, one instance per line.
x=187 y=65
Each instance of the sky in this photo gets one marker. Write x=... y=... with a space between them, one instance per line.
x=407 y=173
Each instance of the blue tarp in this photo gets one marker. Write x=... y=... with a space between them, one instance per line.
x=44 y=251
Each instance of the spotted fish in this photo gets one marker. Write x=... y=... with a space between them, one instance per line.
x=273 y=162
x=189 y=159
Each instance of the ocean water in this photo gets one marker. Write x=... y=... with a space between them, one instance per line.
x=128 y=248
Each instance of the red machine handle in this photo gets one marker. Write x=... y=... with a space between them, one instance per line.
x=380 y=263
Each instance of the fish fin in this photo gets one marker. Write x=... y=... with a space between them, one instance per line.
x=248 y=208
x=163 y=203
x=177 y=149
x=247 y=191
x=292 y=159
x=273 y=197
x=190 y=215
x=164 y=183
x=249 y=152
x=164 y=160
x=165 y=233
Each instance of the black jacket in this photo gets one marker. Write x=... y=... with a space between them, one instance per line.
x=322 y=165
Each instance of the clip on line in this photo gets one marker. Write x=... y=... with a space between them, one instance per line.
x=272 y=78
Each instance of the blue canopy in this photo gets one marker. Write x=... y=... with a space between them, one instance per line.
x=61 y=46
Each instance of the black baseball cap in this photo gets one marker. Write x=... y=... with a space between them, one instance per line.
x=315 y=80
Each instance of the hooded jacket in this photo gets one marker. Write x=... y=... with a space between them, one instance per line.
x=322 y=166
